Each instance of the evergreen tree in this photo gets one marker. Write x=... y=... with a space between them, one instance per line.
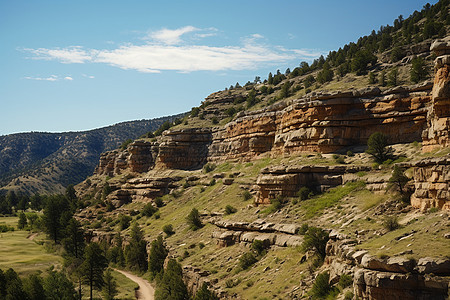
x=205 y=294
x=136 y=250
x=57 y=214
x=34 y=288
x=284 y=93
x=270 y=78
x=382 y=79
x=158 y=254
x=316 y=239
x=418 y=70
x=74 y=239
x=392 y=77
x=57 y=286
x=22 y=221
x=3 y=283
x=399 y=179
x=109 y=290
x=93 y=266
x=193 y=219
x=172 y=286
x=377 y=147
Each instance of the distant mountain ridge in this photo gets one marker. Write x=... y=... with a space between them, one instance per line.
x=40 y=162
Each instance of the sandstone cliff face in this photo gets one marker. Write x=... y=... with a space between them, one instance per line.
x=325 y=123
x=184 y=149
x=286 y=181
x=437 y=131
x=432 y=184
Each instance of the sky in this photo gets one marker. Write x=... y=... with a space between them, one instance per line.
x=79 y=65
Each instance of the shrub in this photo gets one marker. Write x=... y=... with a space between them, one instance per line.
x=193 y=219
x=350 y=153
x=303 y=229
x=209 y=167
x=124 y=221
x=345 y=281
x=247 y=195
x=316 y=239
x=230 y=210
x=159 y=202
x=149 y=210
x=304 y=193
x=125 y=144
x=168 y=229
x=390 y=223
x=348 y=296
x=212 y=182
x=259 y=247
x=247 y=260
x=214 y=120
x=321 y=287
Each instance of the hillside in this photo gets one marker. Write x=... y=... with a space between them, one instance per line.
x=280 y=162
x=47 y=162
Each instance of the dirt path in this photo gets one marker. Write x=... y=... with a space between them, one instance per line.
x=32 y=236
x=145 y=291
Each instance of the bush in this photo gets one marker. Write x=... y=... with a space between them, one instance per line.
x=348 y=296
x=212 y=182
x=124 y=222
x=159 y=202
x=390 y=223
x=345 y=281
x=304 y=193
x=247 y=195
x=316 y=239
x=168 y=229
x=350 y=153
x=149 y=210
x=125 y=144
x=259 y=247
x=399 y=179
x=214 y=120
x=321 y=287
x=247 y=260
x=230 y=210
x=193 y=219
x=303 y=229
x=209 y=167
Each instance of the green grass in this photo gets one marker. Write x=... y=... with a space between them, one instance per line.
x=23 y=255
x=318 y=203
x=126 y=286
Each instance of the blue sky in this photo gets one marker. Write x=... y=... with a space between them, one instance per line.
x=79 y=65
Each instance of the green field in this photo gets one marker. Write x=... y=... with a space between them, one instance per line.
x=22 y=254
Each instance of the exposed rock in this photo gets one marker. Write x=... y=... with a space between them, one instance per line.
x=286 y=181
x=439 y=266
x=432 y=183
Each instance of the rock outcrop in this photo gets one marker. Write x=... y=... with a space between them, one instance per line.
x=184 y=149
x=436 y=134
x=282 y=235
x=389 y=278
x=286 y=181
x=325 y=122
x=432 y=184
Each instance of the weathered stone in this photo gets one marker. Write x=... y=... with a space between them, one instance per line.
x=439 y=266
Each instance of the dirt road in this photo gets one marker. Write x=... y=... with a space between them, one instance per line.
x=145 y=291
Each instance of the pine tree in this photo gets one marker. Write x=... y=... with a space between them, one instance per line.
x=22 y=221
x=109 y=290
x=205 y=294
x=172 y=286
x=158 y=254
x=136 y=250
x=93 y=266
x=74 y=240
x=377 y=147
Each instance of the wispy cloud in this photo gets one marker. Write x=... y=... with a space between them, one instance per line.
x=166 y=51
x=88 y=76
x=50 y=78
x=171 y=36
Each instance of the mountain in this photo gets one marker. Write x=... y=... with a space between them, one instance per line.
x=38 y=162
x=288 y=202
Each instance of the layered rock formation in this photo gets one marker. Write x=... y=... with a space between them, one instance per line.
x=282 y=235
x=437 y=131
x=325 y=122
x=432 y=184
x=389 y=278
x=286 y=181
x=184 y=149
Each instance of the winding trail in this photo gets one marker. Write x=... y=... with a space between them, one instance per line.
x=145 y=291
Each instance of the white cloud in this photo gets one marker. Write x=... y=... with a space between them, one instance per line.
x=88 y=76
x=171 y=37
x=73 y=54
x=51 y=78
x=68 y=78
x=168 y=53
